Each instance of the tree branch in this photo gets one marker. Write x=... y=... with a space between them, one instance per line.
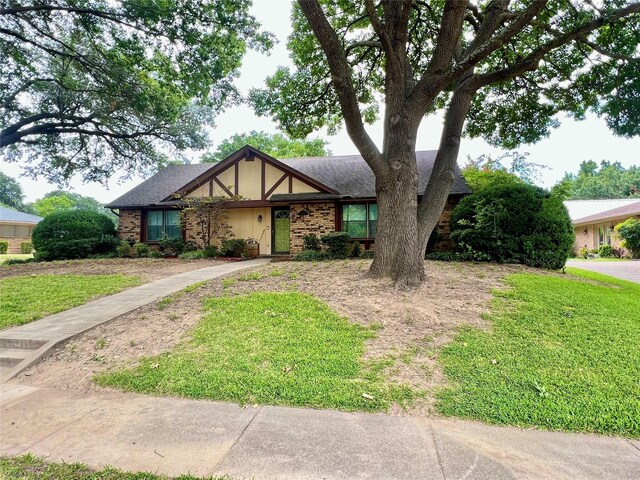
x=531 y=61
x=343 y=83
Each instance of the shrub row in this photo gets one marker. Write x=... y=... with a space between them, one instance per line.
x=337 y=245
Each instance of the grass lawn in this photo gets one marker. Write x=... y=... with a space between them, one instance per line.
x=268 y=348
x=562 y=353
x=28 y=298
x=28 y=467
x=14 y=256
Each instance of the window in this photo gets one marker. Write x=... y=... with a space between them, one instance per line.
x=360 y=220
x=163 y=223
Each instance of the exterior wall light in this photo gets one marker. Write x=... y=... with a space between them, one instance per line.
x=259 y=218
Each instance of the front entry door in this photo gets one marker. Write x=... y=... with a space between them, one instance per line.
x=280 y=230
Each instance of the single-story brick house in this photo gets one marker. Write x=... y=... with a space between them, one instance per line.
x=16 y=227
x=281 y=200
x=594 y=220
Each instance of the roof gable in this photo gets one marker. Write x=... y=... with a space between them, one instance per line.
x=213 y=176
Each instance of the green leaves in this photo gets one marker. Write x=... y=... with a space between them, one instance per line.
x=93 y=87
x=276 y=145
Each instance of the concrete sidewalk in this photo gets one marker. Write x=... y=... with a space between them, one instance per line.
x=21 y=346
x=177 y=436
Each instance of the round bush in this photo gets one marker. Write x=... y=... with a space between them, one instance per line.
x=516 y=223
x=629 y=232
x=74 y=234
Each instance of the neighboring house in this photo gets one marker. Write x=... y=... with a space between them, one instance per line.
x=281 y=201
x=16 y=227
x=594 y=220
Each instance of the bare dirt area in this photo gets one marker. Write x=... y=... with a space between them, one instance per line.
x=147 y=269
x=411 y=325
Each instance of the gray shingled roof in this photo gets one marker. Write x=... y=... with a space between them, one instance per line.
x=351 y=176
x=9 y=215
x=161 y=185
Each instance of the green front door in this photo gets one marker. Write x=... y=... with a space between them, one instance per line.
x=280 y=230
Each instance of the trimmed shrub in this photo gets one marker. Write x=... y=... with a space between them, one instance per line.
x=142 y=249
x=356 y=249
x=211 y=251
x=605 y=251
x=74 y=234
x=26 y=247
x=629 y=232
x=311 y=242
x=192 y=255
x=235 y=247
x=4 y=246
x=312 y=256
x=154 y=254
x=514 y=222
x=338 y=244
x=583 y=253
x=17 y=261
x=171 y=245
x=123 y=250
x=367 y=254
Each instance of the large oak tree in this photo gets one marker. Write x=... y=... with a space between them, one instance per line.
x=500 y=69
x=102 y=86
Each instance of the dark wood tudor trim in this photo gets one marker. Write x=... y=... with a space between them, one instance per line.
x=276 y=185
x=234 y=159
x=222 y=186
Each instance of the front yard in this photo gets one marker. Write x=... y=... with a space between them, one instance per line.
x=550 y=350
x=28 y=298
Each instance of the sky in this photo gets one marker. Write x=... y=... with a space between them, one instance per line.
x=564 y=150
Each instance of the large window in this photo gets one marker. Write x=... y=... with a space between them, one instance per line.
x=163 y=223
x=360 y=220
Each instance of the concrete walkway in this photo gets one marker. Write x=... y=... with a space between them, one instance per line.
x=21 y=346
x=625 y=270
x=178 y=436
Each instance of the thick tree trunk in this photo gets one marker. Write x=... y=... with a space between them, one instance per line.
x=398 y=247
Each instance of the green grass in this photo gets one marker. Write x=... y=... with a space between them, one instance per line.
x=29 y=467
x=14 y=256
x=268 y=348
x=562 y=353
x=28 y=298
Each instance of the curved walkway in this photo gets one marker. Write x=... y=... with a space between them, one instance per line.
x=21 y=346
x=624 y=269
x=178 y=436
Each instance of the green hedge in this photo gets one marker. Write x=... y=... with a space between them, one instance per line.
x=4 y=246
x=74 y=234
x=514 y=222
x=26 y=247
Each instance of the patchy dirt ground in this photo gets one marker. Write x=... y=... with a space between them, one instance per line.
x=147 y=269
x=412 y=325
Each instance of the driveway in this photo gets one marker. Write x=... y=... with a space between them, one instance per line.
x=626 y=270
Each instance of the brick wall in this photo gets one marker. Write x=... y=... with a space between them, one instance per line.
x=321 y=219
x=129 y=224
x=443 y=227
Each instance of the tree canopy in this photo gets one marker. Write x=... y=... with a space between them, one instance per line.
x=11 y=194
x=276 y=145
x=60 y=201
x=607 y=180
x=99 y=86
x=509 y=167
x=502 y=70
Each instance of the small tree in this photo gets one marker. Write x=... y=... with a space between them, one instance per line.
x=209 y=216
x=629 y=232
